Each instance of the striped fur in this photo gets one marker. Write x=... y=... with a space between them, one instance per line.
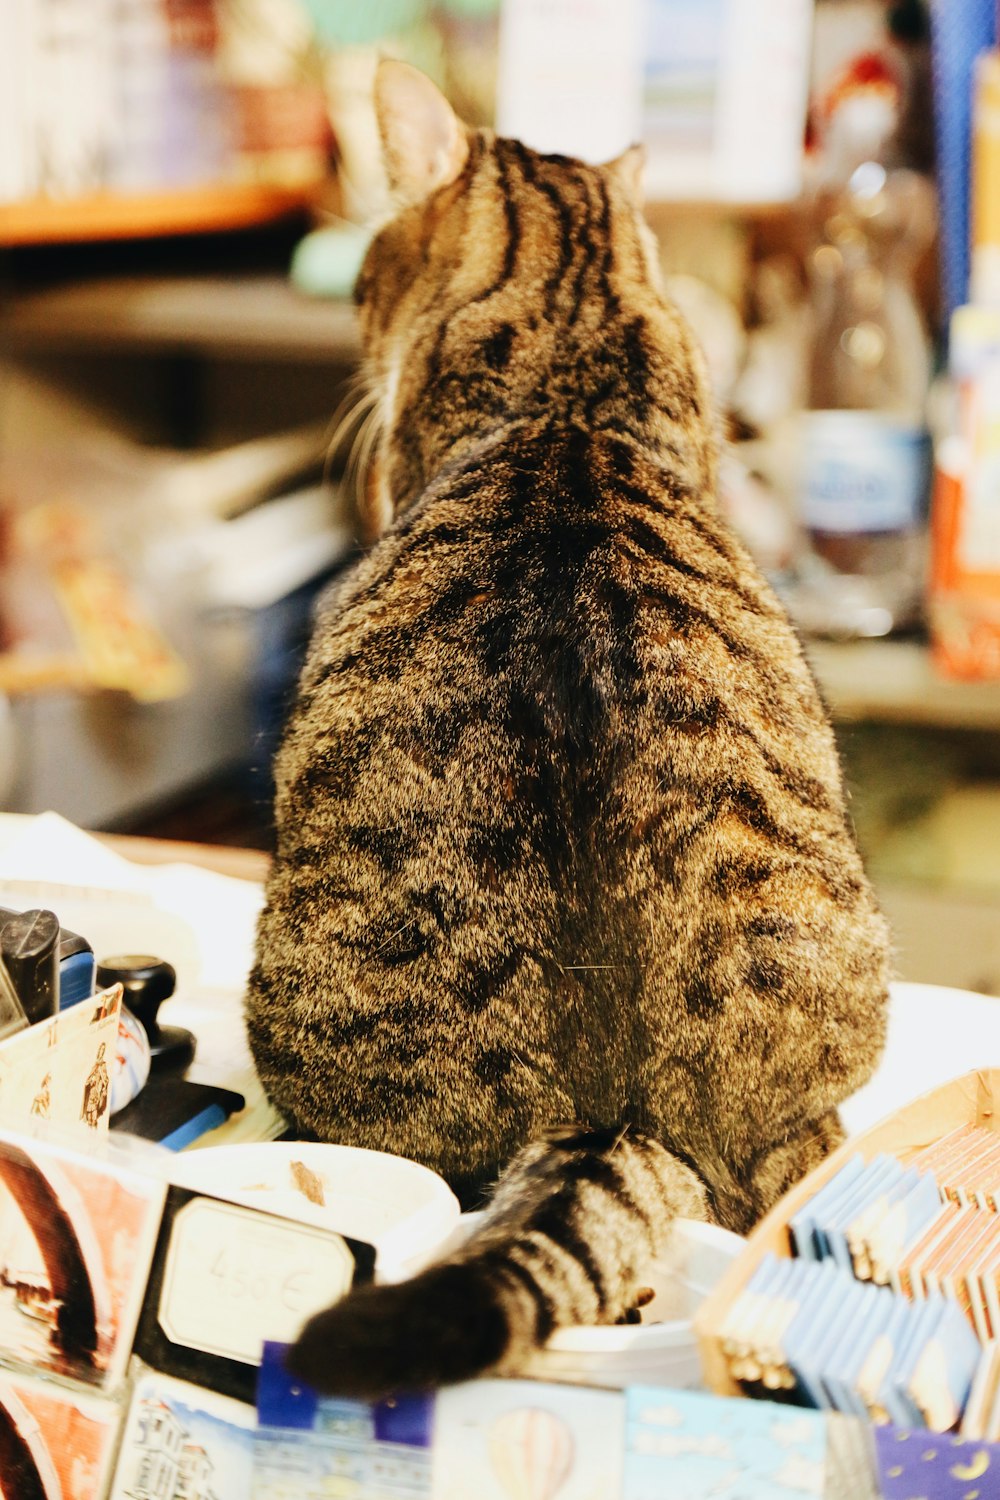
x=561 y=830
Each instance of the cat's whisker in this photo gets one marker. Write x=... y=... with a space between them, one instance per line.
x=330 y=216
x=393 y=936
x=583 y=968
x=349 y=418
x=361 y=451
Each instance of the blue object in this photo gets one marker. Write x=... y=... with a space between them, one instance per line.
x=327 y=261
x=199 y=1124
x=406 y=1419
x=76 y=975
x=283 y=1401
x=960 y=31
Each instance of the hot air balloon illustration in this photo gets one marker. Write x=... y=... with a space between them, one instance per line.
x=531 y=1451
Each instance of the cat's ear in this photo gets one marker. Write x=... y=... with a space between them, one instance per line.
x=424 y=143
x=629 y=170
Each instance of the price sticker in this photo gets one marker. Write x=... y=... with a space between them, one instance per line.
x=234 y=1278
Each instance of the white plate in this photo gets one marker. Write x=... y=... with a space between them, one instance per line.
x=403 y=1209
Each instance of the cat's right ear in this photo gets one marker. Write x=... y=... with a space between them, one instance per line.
x=424 y=143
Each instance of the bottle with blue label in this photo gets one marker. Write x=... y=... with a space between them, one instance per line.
x=864 y=451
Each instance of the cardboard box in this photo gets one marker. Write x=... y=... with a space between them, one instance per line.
x=972 y=1099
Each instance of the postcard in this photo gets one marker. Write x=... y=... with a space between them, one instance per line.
x=850 y=1460
x=76 y=1241
x=58 y=1443
x=983 y=1395
x=313 y=1447
x=689 y=1445
x=901 y=1227
x=932 y=1467
x=497 y=1439
x=314 y=1466
x=813 y=1330
x=181 y=1441
x=59 y=1071
x=939 y=1155
x=802 y=1226
x=939 y=1380
x=908 y=1277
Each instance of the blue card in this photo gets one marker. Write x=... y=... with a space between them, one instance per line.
x=802 y=1224
x=689 y=1446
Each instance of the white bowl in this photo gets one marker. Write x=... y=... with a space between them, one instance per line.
x=661 y=1352
x=404 y=1210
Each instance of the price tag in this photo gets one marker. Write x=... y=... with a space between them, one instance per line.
x=234 y=1278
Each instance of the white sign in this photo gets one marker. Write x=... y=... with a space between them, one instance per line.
x=235 y=1278
x=570 y=75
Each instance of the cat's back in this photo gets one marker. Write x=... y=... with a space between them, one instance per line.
x=553 y=675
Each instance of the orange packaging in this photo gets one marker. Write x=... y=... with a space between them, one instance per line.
x=964 y=592
x=985 y=181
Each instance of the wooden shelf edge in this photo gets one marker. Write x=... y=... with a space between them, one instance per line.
x=890 y=681
x=113 y=216
x=249 y=314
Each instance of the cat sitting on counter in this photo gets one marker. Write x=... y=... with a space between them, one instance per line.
x=565 y=895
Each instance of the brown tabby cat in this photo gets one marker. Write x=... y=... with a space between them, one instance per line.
x=561 y=833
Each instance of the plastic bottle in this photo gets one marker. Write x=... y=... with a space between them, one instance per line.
x=864 y=453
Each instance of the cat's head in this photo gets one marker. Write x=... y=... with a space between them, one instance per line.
x=507 y=282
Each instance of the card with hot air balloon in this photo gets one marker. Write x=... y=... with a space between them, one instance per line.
x=526 y=1440
x=689 y=1445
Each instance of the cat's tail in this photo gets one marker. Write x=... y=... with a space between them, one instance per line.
x=572 y=1228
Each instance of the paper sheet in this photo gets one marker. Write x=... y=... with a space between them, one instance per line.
x=201 y=922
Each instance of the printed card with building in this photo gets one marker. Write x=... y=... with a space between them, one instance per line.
x=184 y=1443
x=311 y=1448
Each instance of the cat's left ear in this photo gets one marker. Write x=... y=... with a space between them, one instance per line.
x=629 y=171
x=424 y=142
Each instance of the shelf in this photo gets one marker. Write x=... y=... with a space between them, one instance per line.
x=117 y=216
x=224 y=206
x=260 y=315
x=661 y=212
x=896 y=682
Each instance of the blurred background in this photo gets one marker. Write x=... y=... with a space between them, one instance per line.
x=185 y=190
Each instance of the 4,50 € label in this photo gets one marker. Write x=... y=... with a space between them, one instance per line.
x=234 y=1278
